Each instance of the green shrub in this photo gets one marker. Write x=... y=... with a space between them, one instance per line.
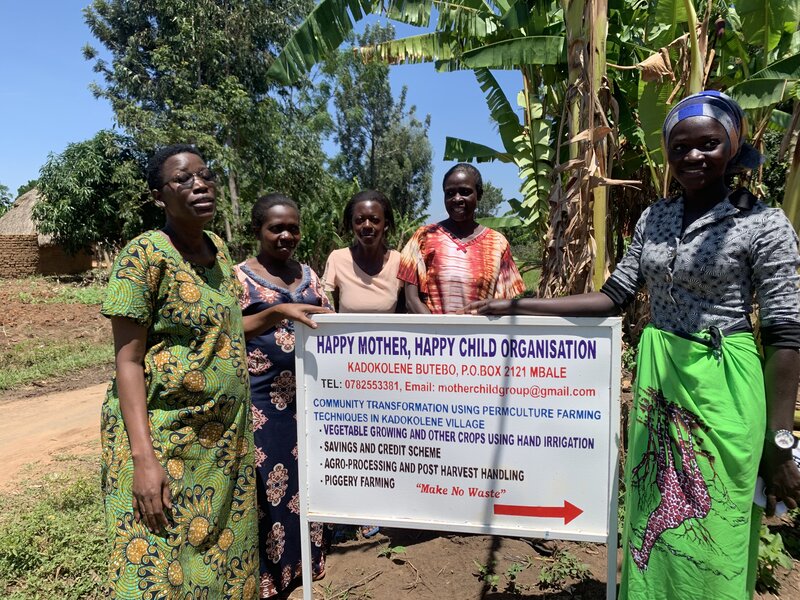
x=771 y=554
x=53 y=545
x=563 y=566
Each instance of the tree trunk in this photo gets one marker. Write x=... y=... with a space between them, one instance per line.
x=234 y=191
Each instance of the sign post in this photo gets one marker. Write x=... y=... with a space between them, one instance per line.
x=501 y=426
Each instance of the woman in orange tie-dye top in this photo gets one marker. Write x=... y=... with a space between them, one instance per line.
x=447 y=265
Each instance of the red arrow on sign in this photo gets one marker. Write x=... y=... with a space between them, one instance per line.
x=568 y=511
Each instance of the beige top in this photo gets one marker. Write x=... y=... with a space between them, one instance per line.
x=359 y=292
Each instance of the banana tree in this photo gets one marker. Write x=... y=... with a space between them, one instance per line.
x=766 y=38
x=664 y=50
x=746 y=50
x=524 y=35
x=468 y=34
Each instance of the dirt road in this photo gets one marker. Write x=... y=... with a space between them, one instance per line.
x=35 y=431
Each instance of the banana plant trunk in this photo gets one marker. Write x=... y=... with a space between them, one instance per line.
x=575 y=258
x=597 y=59
x=791 y=195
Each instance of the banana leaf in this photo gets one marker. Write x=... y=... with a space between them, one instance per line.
x=465 y=151
x=427 y=47
x=500 y=108
x=323 y=31
x=509 y=54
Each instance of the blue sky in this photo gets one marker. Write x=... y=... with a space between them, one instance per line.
x=45 y=102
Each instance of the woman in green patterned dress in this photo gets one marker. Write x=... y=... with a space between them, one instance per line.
x=177 y=465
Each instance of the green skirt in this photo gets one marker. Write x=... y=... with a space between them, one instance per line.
x=694 y=446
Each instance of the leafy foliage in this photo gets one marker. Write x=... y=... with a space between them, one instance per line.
x=661 y=51
x=5 y=199
x=775 y=169
x=321 y=224
x=563 y=566
x=392 y=552
x=54 y=545
x=382 y=144
x=771 y=555
x=490 y=202
x=26 y=187
x=487 y=575
x=197 y=72
x=94 y=193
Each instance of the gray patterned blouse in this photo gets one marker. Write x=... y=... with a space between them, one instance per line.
x=709 y=274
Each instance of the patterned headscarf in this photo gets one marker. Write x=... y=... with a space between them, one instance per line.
x=729 y=114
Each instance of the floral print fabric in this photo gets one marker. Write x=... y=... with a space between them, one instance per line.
x=199 y=411
x=270 y=360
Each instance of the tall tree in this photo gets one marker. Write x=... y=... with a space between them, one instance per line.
x=196 y=71
x=383 y=145
x=25 y=187
x=490 y=201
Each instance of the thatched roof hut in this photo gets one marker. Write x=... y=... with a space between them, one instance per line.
x=19 y=218
x=24 y=251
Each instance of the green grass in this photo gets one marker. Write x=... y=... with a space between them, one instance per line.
x=52 y=540
x=34 y=360
x=66 y=293
x=531 y=279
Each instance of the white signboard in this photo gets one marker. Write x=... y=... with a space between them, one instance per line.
x=504 y=426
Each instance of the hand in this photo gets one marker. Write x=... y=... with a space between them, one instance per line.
x=151 y=496
x=483 y=307
x=782 y=479
x=301 y=312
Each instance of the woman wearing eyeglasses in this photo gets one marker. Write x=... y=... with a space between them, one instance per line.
x=177 y=465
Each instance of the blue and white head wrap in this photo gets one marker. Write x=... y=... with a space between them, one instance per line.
x=729 y=114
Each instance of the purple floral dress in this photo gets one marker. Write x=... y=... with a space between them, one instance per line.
x=270 y=361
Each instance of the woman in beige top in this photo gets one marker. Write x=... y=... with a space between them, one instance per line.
x=363 y=277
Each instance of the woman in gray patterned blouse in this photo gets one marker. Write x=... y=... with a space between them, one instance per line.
x=707 y=408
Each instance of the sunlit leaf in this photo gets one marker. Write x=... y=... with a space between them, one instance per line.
x=508 y=54
x=323 y=31
x=465 y=151
x=428 y=47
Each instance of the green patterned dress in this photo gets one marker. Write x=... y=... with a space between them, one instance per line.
x=199 y=409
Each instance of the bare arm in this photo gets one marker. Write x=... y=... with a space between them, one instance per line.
x=414 y=303
x=255 y=325
x=151 y=495
x=781 y=373
x=594 y=304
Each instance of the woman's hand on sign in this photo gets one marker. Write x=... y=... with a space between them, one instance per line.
x=300 y=312
x=485 y=307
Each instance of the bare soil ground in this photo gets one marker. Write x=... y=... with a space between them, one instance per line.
x=21 y=321
x=43 y=425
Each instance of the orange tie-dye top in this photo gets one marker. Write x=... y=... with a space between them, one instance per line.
x=450 y=273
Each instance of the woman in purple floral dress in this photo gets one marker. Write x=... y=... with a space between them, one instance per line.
x=278 y=291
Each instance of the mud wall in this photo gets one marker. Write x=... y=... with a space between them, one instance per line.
x=54 y=261
x=19 y=255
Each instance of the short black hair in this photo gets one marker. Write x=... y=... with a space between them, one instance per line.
x=259 y=212
x=471 y=170
x=155 y=180
x=368 y=196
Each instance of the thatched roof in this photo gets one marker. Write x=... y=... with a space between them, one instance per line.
x=19 y=218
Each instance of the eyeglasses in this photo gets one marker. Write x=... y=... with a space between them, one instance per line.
x=185 y=180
